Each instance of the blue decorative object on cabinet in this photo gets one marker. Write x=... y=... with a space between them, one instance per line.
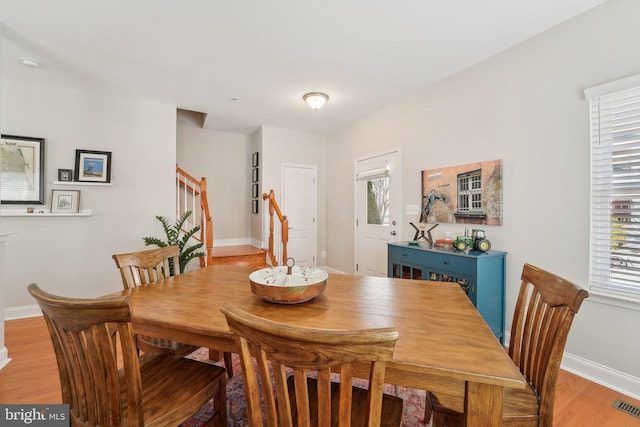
x=480 y=274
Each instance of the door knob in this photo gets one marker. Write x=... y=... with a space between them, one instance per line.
x=393 y=233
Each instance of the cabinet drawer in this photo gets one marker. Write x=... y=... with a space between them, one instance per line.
x=406 y=255
x=451 y=263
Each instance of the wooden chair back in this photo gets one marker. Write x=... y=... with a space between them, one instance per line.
x=87 y=361
x=543 y=315
x=144 y=267
x=300 y=351
x=103 y=380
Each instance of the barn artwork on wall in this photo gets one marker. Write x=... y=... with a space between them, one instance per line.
x=464 y=194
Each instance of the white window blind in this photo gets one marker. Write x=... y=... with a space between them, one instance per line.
x=615 y=190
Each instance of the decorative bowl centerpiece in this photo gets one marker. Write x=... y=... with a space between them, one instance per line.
x=288 y=284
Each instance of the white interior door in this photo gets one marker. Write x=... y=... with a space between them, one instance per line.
x=377 y=211
x=299 y=205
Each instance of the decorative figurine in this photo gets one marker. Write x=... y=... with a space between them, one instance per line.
x=477 y=241
x=420 y=230
x=429 y=200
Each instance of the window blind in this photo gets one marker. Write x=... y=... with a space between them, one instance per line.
x=615 y=192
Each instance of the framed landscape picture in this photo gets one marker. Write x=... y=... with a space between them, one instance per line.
x=93 y=166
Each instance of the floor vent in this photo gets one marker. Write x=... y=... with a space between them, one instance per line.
x=627 y=407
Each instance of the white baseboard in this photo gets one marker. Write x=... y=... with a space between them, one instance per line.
x=599 y=374
x=4 y=357
x=21 y=312
x=603 y=375
x=331 y=270
x=232 y=242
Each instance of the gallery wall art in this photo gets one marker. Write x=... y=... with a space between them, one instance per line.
x=463 y=194
x=21 y=170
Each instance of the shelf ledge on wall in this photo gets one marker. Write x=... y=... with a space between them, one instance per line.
x=42 y=213
x=95 y=184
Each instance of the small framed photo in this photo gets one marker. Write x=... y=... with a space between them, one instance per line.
x=254 y=206
x=65 y=175
x=254 y=191
x=254 y=175
x=254 y=160
x=65 y=201
x=93 y=166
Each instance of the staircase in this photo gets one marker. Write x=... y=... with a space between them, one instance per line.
x=246 y=255
x=191 y=195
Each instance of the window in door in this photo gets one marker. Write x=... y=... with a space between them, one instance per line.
x=378 y=201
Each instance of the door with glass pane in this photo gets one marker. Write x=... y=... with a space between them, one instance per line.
x=377 y=211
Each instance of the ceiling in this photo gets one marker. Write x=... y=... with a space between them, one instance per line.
x=247 y=63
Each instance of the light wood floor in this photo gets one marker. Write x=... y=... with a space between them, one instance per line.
x=32 y=378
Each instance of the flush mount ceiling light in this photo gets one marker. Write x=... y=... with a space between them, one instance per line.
x=29 y=62
x=315 y=100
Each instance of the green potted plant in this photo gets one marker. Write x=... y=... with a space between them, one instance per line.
x=176 y=236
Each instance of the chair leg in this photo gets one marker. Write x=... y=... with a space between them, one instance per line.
x=228 y=363
x=219 y=418
x=427 y=409
x=439 y=420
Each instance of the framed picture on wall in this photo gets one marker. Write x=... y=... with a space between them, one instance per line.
x=65 y=175
x=65 y=201
x=93 y=166
x=254 y=191
x=254 y=206
x=22 y=172
x=254 y=175
x=254 y=159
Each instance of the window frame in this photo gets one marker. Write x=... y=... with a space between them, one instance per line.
x=611 y=293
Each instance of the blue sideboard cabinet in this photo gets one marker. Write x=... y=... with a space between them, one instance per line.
x=480 y=274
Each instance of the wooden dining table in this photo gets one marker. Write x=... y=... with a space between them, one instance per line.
x=444 y=344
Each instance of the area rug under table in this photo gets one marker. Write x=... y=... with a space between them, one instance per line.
x=412 y=416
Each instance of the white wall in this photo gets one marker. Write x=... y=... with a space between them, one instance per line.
x=524 y=106
x=72 y=255
x=281 y=146
x=224 y=158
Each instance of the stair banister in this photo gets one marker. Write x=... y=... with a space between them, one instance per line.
x=193 y=190
x=284 y=223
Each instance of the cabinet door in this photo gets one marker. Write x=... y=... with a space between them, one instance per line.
x=465 y=281
x=406 y=271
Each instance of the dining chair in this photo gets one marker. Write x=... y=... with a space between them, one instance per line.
x=108 y=384
x=307 y=357
x=542 y=318
x=145 y=267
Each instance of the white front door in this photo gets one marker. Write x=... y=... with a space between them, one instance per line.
x=377 y=211
x=299 y=191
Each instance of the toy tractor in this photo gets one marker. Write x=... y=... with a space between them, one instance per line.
x=477 y=241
